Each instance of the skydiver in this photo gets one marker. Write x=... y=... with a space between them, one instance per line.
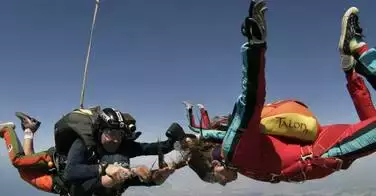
x=86 y=135
x=41 y=169
x=37 y=169
x=219 y=122
x=273 y=158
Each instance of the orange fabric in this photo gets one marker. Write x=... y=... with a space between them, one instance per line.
x=12 y=143
x=17 y=156
x=32 y=168
x=288 y=106
x=39 y=180
x=37 y=160
x=285 y=106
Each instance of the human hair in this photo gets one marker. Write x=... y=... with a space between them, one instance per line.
x=200 y=159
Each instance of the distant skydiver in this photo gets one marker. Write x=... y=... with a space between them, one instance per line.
x=37 y=169
x=217 y=122
x=290 y=146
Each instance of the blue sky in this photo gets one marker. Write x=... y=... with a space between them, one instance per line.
x=149 y=56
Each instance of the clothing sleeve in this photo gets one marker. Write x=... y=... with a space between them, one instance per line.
x=77 y=167
x=210 y=134
x=142 y=149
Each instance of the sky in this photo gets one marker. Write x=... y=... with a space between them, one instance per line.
x=149 y=56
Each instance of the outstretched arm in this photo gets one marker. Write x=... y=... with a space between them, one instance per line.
x=174 y=133
x=143 y=176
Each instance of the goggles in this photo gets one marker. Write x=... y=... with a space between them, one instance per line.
x=114 y=133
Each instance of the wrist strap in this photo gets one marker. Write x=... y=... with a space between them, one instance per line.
x=103 y=169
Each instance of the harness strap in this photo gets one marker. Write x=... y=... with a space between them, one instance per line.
x=60 y=187
x=306 y=153
x=297 y=172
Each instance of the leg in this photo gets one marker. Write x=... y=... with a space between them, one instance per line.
x=16 y=155
x=358 y=91
x=30 y=126
x=352 y=43
x=190 y=116
x=247 y=110
x=39 y=180
x=358 y=140
x=205 y=121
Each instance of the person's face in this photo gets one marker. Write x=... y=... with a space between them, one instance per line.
x=111 y=139
x=223 y=175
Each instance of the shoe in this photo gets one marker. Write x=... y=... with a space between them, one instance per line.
x=347 y=62
x=6 y=125
x=28 y=122
x=200 y=106
x=187 y=105
x=254 y=26
x=351 y=32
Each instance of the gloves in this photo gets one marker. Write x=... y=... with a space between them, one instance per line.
x=175 y=132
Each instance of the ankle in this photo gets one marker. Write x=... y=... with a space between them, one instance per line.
x=358 y=46
x=362 y=49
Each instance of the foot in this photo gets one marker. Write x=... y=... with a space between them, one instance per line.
x=187 y=105
x=28 y=122
x=254 y=26
x=200 y=106
x=351 y=33
x=347 y=62
x=6 y=125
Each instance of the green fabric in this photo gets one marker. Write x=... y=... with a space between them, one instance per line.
x=353 y=144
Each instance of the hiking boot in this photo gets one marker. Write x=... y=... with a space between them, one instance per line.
x=347 y=62
x=254 y=26
x=28 y=122
x=6 y=125
x=351 y=32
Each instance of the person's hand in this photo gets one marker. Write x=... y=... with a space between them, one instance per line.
x=175 y=132
x=142 y=172
x=160 y=175
x=117 y=173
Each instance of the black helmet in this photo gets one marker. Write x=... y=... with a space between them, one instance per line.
x=111 y=118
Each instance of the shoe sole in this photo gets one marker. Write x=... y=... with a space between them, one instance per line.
x=22 y=115
x=259 y=9
x=7 y=124
x=352 y=10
